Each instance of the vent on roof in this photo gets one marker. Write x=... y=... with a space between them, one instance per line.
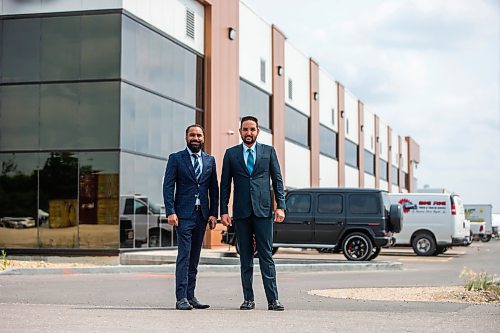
x=263 y=70
x=189 y=23
x=290 y=89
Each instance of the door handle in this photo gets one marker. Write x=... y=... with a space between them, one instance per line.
x=306 y=222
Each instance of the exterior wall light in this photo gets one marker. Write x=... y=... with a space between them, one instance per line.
x=315 y=95
x=362 y=126
x=342 y=114
x=232 y=33
x=280 y=70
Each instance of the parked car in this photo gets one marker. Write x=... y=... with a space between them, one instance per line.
x=145 y=222
x=480 y=215
x=358 y=222
x=434 y=222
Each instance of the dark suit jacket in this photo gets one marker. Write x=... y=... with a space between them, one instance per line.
x=251 y=191
x=179 y=175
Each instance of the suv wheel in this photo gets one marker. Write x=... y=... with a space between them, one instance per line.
x=375 y=252
x=357 y=247
x=424 y=244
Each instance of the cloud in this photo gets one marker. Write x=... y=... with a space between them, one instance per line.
x=429 y=68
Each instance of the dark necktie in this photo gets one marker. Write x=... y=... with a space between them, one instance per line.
x=250 y=161
x=196 y=166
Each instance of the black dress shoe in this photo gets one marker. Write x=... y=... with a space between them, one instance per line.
x=275 y=306
x=247 y=305
x=197 y=305
x=183 y=304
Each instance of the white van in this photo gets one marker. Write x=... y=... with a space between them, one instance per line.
x=433 y=222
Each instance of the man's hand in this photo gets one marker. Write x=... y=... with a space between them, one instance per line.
x=279 y=215
x=212 y=221
x=226 y=220
x=173 y=220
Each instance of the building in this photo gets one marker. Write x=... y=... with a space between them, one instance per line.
x=94 y=95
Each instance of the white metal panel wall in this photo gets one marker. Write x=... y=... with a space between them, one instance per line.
x=369 y=181
x=351 y=177
x=297 y=159
x=297 y=69
x=255 y=38
x=328 y=113
x=14 y=7
x=265 y=138
x=328 y=172
x=169 y=16
x=369 y=131
x=384 y=185
x=351 y=117
x=395 y=188
x=395 y=149
x=383 y=133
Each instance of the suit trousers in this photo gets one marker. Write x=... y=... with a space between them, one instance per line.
x=262 y=228
x=190 y=233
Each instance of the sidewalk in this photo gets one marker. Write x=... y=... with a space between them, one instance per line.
x=211 y=260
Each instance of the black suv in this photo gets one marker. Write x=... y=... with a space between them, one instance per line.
x=358 y=222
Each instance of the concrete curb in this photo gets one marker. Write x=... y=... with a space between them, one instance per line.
x=170 y=268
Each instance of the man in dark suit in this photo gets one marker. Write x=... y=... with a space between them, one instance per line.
x=251 y=166
x=193 y=175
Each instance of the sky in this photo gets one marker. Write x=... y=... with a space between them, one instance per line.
x=429 y=68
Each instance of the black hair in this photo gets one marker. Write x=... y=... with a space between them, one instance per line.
x=252 y=118
x=195 y=125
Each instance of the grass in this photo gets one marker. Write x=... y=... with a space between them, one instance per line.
x=481 y=281
x=4 y=261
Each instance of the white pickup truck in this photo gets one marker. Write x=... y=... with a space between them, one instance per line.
x=480 y=217
x=143 y=224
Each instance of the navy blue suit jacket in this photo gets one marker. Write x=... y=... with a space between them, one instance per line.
x=180 y=186
x=251 y=191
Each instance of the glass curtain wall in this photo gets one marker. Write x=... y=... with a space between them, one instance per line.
x=161 y=94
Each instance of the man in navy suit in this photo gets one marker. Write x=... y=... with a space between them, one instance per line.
x=192 y=175
x=251 y=166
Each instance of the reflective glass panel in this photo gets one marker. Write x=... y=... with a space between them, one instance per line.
x=98 y=200
x=18 y=201
x=255 y=102
x=327 y=142
x=296 y=126
x=58 y=196
x=19 y=117
x=369 y=162
x=351 y=153
x=60 y=56
x=20 y=50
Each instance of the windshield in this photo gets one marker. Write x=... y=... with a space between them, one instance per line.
x=155 y=208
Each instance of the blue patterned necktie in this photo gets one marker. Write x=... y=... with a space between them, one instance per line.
x=250 y=161
x=196 y=166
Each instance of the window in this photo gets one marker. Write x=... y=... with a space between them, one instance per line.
x=383 y=170
x=333 y=116
x=347 y=126
x=405 y=181
x=327 y=142
x=351 y=153
x=364 y=204
x=369 y=162
x=330 y=203
x=298 y=203
x=290 y=89
x=255 y=102
x=395 y=175
x=296 y=126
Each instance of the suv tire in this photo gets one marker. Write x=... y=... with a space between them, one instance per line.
x=395 y=218
x=357 y=247
x=424 y=244
x=375 y=252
